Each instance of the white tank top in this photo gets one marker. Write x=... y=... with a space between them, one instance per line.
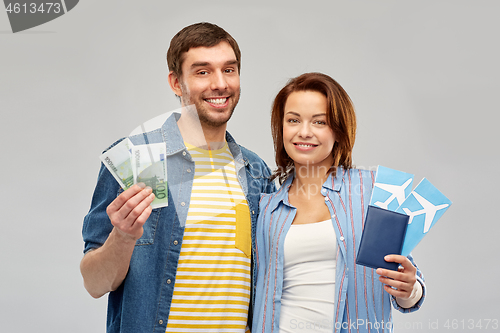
x=307 y=302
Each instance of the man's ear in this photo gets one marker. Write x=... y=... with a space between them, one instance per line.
x=175 y=84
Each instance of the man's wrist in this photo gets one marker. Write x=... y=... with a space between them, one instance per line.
x=122 y=237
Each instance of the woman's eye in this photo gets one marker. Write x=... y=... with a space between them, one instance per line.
x=293 y=120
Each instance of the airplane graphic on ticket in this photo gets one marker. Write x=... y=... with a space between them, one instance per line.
x=424 y=205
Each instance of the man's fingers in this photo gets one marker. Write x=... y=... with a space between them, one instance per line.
x=124 y=197
x=137 y=212
x=143 y=210
x=133 y=212
x=141 y=219
x=128 y=207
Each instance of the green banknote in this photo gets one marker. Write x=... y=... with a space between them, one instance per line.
x=146 y=164
x=149 y=166
x=118 y=161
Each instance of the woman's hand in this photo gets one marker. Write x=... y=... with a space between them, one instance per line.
x=398 y=283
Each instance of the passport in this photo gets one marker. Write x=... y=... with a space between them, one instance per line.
x=384 y=233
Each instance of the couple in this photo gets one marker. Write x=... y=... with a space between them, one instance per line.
x=230 y=252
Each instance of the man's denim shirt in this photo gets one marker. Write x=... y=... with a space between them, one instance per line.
x=142 y=302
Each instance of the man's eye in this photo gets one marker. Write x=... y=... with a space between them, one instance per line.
x=202 y=72
x=229 y=70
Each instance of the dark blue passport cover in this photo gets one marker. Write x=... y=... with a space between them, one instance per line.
x=383 y=234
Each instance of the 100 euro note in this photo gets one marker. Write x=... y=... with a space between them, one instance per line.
x=118 y=161
x=151 y=169
x=149 y=166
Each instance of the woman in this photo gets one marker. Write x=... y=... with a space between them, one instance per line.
x=309 y=231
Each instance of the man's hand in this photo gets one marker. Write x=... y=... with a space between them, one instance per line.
x=402 y=280
x=130 y=210
x=105 y=268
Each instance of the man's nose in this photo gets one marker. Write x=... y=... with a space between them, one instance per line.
x=218 y=81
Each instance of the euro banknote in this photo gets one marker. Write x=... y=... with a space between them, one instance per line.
x=149 y=166
x=146 y=164
x=118 y=161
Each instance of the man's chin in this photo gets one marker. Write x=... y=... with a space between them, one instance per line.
x=215 y=122
x=215 y=118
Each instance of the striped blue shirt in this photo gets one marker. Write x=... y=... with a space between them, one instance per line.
x=361 y=304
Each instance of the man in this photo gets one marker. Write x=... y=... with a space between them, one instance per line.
x=185 y=267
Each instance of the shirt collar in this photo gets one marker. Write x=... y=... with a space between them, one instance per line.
x=282 y=194
x=332 y=183
x=172 y=136
x=235 y=149
x=335 y=183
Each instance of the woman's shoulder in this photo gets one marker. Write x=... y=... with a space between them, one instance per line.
x=360 y=173
x=272 y=199
x=266 y=199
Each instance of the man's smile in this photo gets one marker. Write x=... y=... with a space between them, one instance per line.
x=218 y=102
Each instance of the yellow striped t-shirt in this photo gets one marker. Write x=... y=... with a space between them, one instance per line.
x=212 y=286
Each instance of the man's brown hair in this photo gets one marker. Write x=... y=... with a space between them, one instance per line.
x=202 y=34
x=340 y=117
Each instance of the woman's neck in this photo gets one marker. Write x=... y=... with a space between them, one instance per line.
x=309 y=179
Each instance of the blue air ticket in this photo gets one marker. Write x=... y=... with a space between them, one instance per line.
x=425 y=205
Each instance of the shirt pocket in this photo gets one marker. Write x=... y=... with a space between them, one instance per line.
x=243 y=237
x=148 y=236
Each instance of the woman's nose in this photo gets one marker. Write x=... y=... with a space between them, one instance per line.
x=305 y=130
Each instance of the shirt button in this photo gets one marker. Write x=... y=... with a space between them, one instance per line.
x=326 y=198
x=188 y=170
x=183 y=153
x=253 y=212
x=341 y=238
x=160 y=322
x=176 y=242
x=323 y=191
x=183 y=203
x=333 y=216
x=169 y=281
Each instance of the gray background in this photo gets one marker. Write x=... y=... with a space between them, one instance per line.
x=423 y=76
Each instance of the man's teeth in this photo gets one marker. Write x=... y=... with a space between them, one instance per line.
x=216 y=100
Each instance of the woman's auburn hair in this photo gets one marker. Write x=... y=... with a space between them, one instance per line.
x=340 y=117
